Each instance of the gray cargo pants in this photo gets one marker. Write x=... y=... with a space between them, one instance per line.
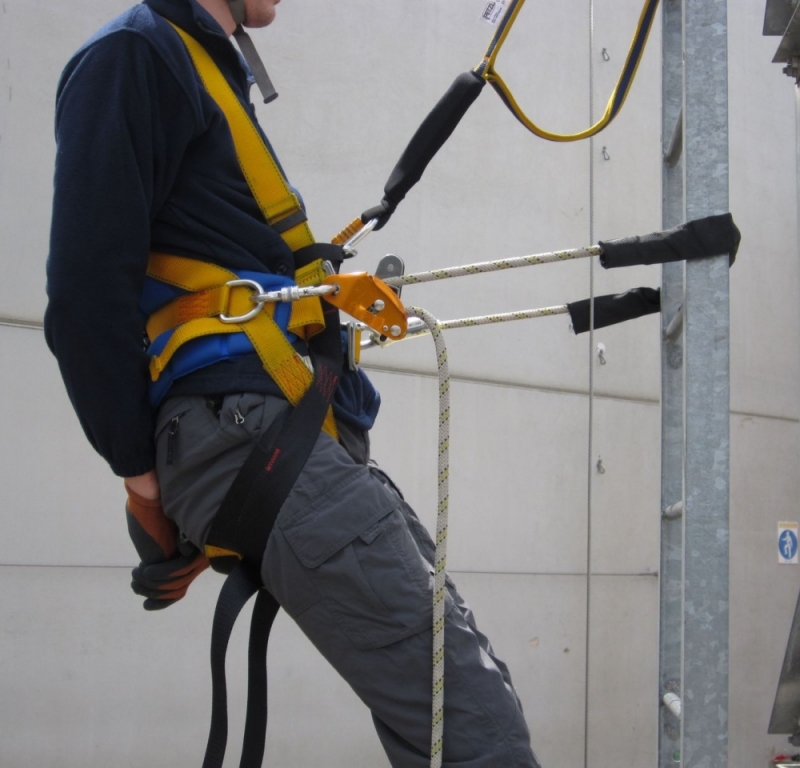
x=350 y=562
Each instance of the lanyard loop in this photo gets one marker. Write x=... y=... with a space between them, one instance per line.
x=445 y=116
x=486 y=70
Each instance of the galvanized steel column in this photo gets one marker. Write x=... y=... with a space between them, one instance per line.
x=671 y=567
x=707 y=395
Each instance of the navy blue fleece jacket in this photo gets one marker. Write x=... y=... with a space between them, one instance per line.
x=145 y=162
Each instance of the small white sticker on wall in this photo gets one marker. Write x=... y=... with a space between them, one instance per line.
x=787 y=543
x=494 y=11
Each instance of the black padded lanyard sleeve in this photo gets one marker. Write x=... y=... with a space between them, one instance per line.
x=697 y=239
x=615 y=308
x=434 y=131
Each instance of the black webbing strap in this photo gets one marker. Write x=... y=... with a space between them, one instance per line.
x=255 y=727
x=238 y=588
x=614 y=308
x=434 y=131
x=250 y=508
x=243 y=524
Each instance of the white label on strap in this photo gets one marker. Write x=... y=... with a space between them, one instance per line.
x=494 y=11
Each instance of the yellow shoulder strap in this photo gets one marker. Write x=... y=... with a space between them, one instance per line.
x=269 y=186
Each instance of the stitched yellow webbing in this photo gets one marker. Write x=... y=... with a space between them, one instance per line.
x=210 y=303
x=277 y=355
x=306 y=317
x=268 y=184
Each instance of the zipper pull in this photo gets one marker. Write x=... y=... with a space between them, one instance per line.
x=237 y=416
x=173 y=431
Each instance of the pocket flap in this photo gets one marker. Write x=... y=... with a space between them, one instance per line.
x=337 y=516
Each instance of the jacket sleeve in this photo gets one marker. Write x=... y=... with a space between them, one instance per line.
x=122 y=127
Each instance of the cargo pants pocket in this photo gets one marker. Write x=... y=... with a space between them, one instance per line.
x=356 y=549
x=199 y=451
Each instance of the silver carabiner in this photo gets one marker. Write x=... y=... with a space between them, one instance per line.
x=257 y=289
x=349 y=247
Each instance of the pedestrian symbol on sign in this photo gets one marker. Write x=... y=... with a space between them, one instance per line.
x=787 y=543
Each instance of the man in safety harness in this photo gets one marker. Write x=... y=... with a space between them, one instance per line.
x=240 y=434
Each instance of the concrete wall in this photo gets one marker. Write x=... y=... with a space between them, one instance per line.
x=89 y=679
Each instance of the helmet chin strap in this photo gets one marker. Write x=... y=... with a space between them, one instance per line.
x=238 y=11
x=268 y=92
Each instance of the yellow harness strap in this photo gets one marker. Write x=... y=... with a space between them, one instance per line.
x=198 y=313
x=267 y=183
x=277 y=355
x=213 y=299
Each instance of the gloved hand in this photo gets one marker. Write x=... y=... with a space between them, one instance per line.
x=168 y=567
x=164 y=583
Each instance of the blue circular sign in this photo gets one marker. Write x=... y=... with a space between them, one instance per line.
x=787 y=544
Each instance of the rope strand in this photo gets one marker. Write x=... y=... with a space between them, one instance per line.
x=440 y=557
x=493 y=266
x=375 y=340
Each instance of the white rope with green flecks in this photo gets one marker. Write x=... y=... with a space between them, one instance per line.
x=505 y=317
x=440 y=557
x=374 y=339
x=493 y=266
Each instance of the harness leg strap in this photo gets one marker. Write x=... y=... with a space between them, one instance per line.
x=236 y=591
x=255 y=729
x=243 y=525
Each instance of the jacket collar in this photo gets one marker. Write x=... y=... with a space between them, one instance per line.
x=196 y=20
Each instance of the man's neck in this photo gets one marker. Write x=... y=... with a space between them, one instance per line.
x=221 y=12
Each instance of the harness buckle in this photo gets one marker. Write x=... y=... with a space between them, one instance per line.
x=259 y=305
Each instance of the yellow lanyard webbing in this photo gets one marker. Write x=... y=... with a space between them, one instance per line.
x=487 y=71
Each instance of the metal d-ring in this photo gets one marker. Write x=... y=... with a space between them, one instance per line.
x=257 y=289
